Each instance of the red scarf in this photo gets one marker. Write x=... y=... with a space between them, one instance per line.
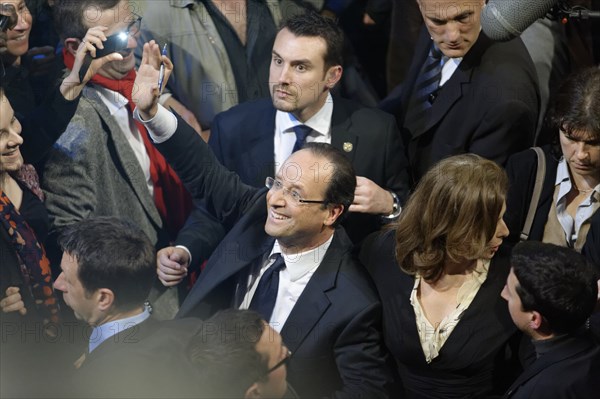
x=170 y=197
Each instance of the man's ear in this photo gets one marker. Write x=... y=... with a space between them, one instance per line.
x=106 y=298
x=335 y=212
x=334 y=74
x=253 y=392
x=72 y=44
x=536 y=321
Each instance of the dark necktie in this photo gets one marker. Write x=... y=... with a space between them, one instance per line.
x=265 y=295
x=426 y=85
x=301 y=132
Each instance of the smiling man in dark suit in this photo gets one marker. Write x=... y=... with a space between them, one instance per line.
x=551 y=291
x=255 y=138
x=284 y=255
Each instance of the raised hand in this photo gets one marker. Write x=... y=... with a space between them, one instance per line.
x=146 y=91
x=71 y=86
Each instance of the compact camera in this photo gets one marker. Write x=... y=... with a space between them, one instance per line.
x=113 y=44
x=8 y=21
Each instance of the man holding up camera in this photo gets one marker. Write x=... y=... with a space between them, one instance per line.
x=104 y=164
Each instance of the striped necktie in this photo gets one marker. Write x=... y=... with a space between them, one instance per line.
x=426 y=85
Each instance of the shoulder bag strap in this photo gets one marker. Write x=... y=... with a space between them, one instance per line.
x=537 y=191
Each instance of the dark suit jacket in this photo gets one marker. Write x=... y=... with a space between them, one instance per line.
x=571 y=369
x=471 y=363
x=145 y=361
x=242 y=140
x=521 y=169
x=333 y=330
x=489 y=106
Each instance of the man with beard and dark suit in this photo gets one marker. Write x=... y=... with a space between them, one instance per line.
x=463 y=92
x=284 y=255
x=255 y=138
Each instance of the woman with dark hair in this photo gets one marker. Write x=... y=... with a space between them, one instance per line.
x=439 y=281
x=566 y=213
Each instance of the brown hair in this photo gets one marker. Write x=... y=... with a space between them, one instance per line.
x=451 y=216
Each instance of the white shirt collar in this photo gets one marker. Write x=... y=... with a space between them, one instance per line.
x=450 y=65
x=563 y=177
x=301 y=263
x=113 y=100
x=320 y=122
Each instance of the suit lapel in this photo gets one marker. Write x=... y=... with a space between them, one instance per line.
x=228 y=259
x=314 y=302
x=128 y=164
x=456 y=87
x=341 y=136
x=129 y=336
x=261 y=147
x=449 y=94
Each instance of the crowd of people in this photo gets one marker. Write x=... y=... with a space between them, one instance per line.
x=213 y=198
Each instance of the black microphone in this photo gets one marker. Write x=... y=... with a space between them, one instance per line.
x=503 y=20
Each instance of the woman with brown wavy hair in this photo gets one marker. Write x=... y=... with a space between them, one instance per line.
x=440 y=282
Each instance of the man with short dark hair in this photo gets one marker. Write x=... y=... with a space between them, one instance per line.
x=108 y=268
x=247 y=358
x=104 y=164
x=283 y=256
x=551 y=291
x=253 y=139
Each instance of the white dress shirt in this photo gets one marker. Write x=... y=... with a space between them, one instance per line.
x=298 y=270
x=448 y=69
x=584 y=211
x=161 y=127
x=285 y=138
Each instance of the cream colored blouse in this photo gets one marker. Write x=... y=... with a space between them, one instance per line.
x=433 y=337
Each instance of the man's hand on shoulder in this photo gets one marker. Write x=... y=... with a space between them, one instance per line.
x=370 y=198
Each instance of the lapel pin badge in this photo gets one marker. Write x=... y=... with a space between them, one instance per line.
x=347 y=147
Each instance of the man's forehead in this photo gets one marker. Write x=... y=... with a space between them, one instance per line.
x=305 y=168
x=270 y=341
x=302 y=47
x=446 y=9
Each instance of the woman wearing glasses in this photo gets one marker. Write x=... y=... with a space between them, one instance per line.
x=439 y=274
